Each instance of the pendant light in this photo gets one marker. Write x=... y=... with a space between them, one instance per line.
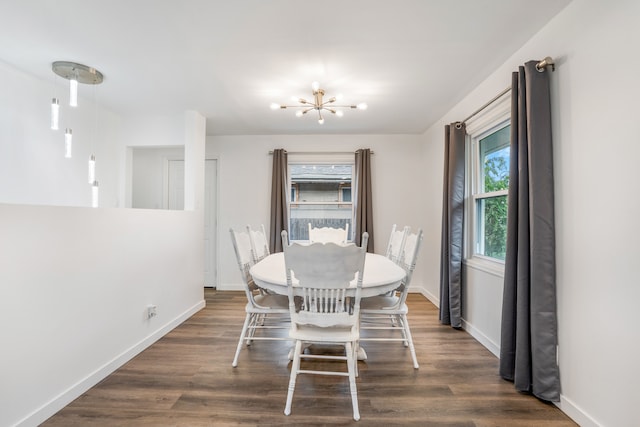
x=76 y=73
x=94 y=194
x=92 y=169
x=68 y=142
x=55 y=113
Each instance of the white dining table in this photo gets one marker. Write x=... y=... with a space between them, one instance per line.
x=381 y=275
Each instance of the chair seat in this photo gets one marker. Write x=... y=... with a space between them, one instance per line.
x=271 y=303
x=382 y=304
x=326 y=335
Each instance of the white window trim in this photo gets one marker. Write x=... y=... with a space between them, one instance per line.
x=491 y=118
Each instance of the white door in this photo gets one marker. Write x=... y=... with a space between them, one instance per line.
x=176 y=201
x=210 y=222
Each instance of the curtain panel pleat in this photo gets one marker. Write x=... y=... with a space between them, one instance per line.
x=452 y=225
x=529 y=319
x=279 y=197
x=363 y=200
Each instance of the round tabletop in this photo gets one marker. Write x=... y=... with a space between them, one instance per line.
x=381 y=275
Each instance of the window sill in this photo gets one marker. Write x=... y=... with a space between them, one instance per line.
x=495 y=268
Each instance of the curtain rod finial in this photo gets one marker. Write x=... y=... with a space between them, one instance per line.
x=542 y=65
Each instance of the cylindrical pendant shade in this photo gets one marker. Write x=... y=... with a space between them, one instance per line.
x=55 y=113
x=73 y=92
x=94 y=194
x=92 y=169
x=68 y=142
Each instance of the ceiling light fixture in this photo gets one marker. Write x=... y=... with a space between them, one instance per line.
x=76 y=73
x=318 y=104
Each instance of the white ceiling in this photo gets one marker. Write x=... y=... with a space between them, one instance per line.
x=409 y=60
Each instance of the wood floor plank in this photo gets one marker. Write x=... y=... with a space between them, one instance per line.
x=186 y=379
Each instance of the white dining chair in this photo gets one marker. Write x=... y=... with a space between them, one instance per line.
x=396 y=243
x=328 y=234
x=259 y=243
x=265 y=312
x=389 y=312
x=322 y=308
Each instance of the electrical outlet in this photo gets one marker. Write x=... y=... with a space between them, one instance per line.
x=151 y=311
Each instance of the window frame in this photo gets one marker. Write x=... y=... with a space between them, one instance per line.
x=322 y=159
x=488 y=121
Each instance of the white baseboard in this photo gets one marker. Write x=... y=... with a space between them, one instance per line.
x=63 y=399
x=573 y=411
x=481 y=338
x=428 y=295
x=576 y=413
x=230 y=287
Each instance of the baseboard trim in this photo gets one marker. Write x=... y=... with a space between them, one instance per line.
x=576 y=413
x=481 y=338
x=567 y=406
x=63 y=399
x=428 y=295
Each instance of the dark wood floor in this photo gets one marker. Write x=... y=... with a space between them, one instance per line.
x=186 y=379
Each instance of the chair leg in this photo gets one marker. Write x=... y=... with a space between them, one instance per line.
x=295 y=367
x=401 y=324
x=352 y=367
x=407 y=333
x=247 y=319
x=253 y=325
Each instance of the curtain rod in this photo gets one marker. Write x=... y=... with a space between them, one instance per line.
x=319 y=152
x=541 y=66
x=494 y=99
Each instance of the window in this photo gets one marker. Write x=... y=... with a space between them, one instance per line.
x=320 y=195
x=488 y=187
x=490 y=195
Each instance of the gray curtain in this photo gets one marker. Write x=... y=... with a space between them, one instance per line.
x=363 y=202
x=529 y=318
x=452 y=225
x=279 y=197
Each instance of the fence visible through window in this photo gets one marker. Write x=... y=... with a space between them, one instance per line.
x=320 y=196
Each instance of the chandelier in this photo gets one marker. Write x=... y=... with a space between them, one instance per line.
x=318 y=104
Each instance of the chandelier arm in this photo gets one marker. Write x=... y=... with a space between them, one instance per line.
x=307 y=105
x=330 y=101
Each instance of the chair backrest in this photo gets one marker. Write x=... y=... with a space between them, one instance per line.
x=328 y=234
x=324 y=272
x=259 y=243
x=396 y=243
x=242 y=247
x=408 y=259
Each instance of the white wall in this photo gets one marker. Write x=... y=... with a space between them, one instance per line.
x=33 y=169
x=596 y=150
x=149 y=175
x=245 y=189
x=75 y=281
